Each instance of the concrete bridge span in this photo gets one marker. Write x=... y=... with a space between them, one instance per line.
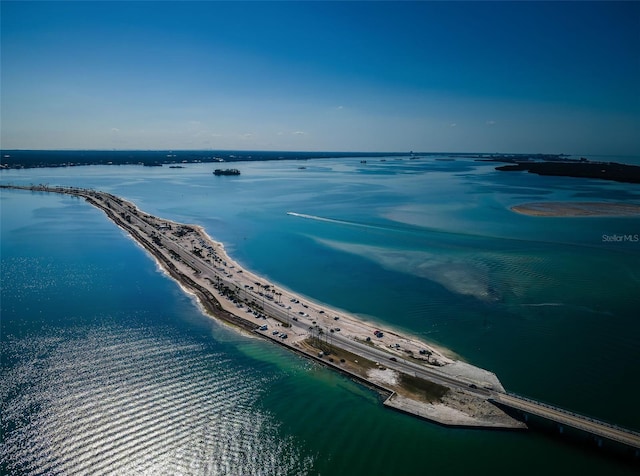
x=597 y=428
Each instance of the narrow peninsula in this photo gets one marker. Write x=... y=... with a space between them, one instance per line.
x=413 y=377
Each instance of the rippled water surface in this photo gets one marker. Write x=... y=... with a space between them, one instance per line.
x=108 y=368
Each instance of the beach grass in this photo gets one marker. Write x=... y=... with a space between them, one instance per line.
x=352 y=362
x=423 y=389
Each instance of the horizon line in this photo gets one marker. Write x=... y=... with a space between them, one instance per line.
x=294 y=151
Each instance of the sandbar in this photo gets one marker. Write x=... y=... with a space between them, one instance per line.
x=577 y=209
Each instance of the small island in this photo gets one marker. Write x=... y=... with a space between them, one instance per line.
x=226 y=172
x=577 y=209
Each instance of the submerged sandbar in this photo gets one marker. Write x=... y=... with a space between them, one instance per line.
x=577 y=209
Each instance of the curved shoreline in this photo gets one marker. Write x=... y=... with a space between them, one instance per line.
x=577 y=209
x=337 y=339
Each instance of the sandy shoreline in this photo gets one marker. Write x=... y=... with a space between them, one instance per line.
x=241 y=298
x=303 y=308
x=577 y=209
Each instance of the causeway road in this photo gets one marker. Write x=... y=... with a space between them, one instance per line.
x=277 y=311
x=570 y=419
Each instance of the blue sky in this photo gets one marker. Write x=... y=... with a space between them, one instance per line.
x=558 y=77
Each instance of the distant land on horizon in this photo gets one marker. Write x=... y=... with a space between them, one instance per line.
x=22 y=158
x=541 y=164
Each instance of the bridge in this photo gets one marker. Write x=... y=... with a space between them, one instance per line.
x=563 y=417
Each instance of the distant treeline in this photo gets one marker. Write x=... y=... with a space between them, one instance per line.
x=13 y=159
x=579 y=168
x=19 y=159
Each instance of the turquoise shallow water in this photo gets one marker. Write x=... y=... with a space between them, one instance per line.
x=108 y=367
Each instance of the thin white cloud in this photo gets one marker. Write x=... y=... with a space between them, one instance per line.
x=115 y=129
x=490 y=123
x=299 y=133
x=453 y=124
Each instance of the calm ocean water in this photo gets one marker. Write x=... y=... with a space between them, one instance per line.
x=109 y=368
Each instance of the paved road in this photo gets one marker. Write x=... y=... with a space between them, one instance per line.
x=281 y=313
x=406 y=366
